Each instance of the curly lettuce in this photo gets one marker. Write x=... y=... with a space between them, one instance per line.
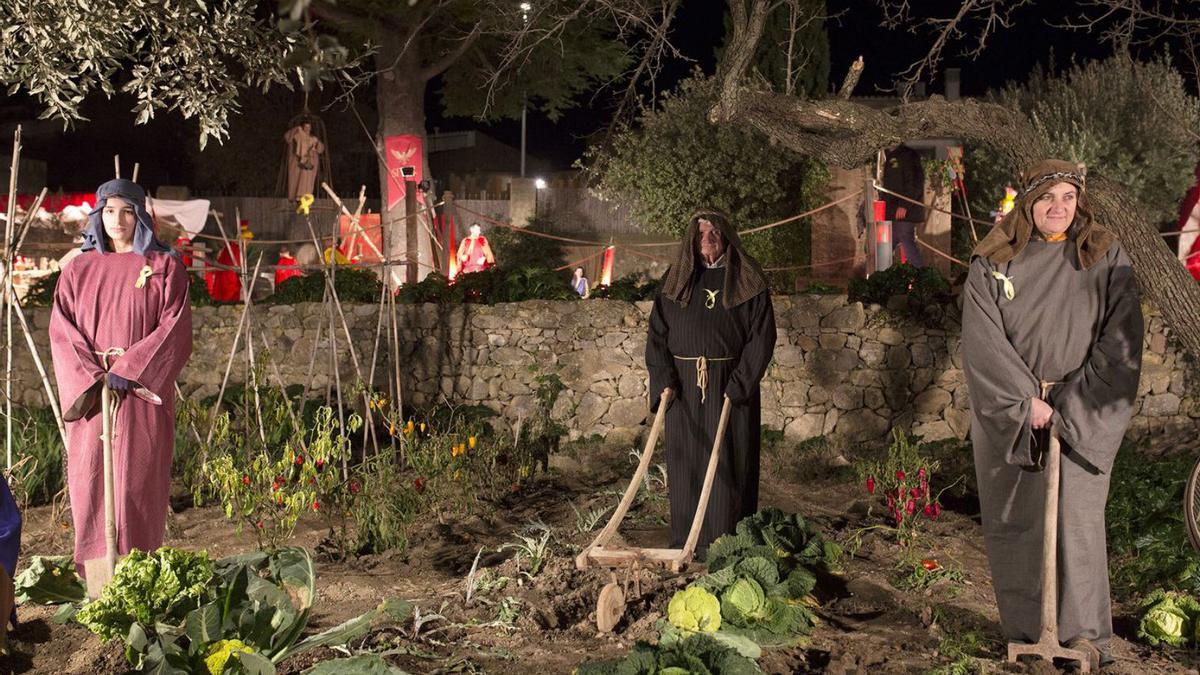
x=163 y=585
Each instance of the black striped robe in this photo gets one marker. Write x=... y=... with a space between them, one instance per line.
x=745 y=335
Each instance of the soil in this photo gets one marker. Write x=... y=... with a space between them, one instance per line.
x=870 y=621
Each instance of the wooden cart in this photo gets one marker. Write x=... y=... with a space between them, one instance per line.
x=611 y=604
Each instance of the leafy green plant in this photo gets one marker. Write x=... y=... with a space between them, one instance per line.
x=630 y=288
x=146 y=588
x=41 y=292
x=518 y=248
x=534 y=548
x=269 y=490
x=914 y=573
x=1147 y=536
x=1168 y=617
x=49 y=580
x=38 y=475
x=926 y=293
x=903 y=478
x=352 y=285
x=697 y=654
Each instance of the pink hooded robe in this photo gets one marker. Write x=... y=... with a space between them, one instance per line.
x=98 y=307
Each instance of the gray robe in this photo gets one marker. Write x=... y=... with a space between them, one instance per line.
x=1080 y=327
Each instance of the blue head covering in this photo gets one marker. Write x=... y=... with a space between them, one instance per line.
x=143 y=237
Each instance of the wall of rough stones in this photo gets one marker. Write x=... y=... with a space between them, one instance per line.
x=839 y=368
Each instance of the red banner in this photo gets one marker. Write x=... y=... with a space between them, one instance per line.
x=402 y=151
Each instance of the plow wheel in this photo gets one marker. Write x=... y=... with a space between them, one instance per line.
x=610 y=607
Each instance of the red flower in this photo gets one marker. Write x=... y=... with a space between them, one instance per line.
x=911 y=506
x=900 y=475
x=871 y=485
x=354 y=487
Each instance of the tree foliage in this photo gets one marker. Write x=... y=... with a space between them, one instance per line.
x=1130 y=121
x=189 y=57
x=675 y=162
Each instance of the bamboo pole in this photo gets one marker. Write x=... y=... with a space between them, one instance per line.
x=117 y=166
x=136 y=166
x=8 y=294
x=228 y=367
x=41 y=368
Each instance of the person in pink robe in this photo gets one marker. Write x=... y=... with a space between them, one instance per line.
x=121 y=319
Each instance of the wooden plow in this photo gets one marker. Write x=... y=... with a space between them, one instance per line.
x=610 y=606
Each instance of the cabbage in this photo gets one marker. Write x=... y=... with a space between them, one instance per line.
x=1168 y=617
x=743 y=602
x=162 y=585
x=695 y=609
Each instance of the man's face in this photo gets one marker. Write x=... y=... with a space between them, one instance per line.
x=710 y=244
x=119 y=222
x=1054 y=211
x=475 y=230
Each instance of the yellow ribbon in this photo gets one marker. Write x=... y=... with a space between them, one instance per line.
x=711 y=301
x=306 y=201
x=143 y=276
x=1009 y=291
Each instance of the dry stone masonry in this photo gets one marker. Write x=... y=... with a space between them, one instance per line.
x=839 y=368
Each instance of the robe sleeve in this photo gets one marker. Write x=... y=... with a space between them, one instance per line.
x=999 y=382
x=76 y=367
x=659 y=359
x=756 y=354
x=1093 y=405
x=156 y=360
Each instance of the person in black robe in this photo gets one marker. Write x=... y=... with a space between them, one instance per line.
x=712 y=334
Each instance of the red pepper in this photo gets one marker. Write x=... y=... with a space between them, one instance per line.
x=914 y=493
x=315 y=505
x=937 y=510
x=299 y=460
x=320 y=464
x=871 y=485
x=921 y=473
x=354 y=487
x=260 y=524
x=930 y=565
x=246 y=479
x=911 y=506
x=900 y=475
x=929 y=510
x=419 y=484
x=924 y=486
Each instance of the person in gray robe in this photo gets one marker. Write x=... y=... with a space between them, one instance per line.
x=712 y=334
x=1052 y=336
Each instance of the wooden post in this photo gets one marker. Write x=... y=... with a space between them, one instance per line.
x=869 y=197
x=411 y=241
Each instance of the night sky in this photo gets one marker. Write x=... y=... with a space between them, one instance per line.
x=167 y=146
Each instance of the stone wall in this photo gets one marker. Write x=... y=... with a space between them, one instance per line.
x=839 y=368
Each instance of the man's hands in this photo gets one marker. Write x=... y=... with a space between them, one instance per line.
x=118 y=383
x=1040 y=413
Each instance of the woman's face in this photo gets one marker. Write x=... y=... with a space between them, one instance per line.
x=120 y=223
x=1054 y=211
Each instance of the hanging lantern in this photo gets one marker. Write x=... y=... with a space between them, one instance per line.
x=606 y=266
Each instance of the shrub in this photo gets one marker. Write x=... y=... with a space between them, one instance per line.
x=352 y=285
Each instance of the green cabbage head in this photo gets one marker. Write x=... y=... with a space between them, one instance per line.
x=695 y=609
x=744 y=602
x=1165 y=622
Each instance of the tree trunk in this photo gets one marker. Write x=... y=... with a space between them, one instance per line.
x=400 y=93
x=848 y=134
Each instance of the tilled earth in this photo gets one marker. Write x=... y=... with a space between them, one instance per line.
x=871 y=620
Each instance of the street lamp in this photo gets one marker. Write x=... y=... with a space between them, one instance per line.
x=539 y=183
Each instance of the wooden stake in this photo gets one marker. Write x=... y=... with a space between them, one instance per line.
x=136 y=166
x=117 y=166
x=8 y=294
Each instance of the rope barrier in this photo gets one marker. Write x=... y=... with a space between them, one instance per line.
x=361 y=228
x=534 y=233
x=937 y=251
x=831 y=204
x=580 y=261
x=650 y=256
x=811 y=265
x=931 y=207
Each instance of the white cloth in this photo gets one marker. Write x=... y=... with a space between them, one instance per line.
x=188 y=216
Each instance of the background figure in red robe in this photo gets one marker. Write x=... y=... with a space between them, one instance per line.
x=224 y=284
x=474 y=252
x=286 y=267
x=126 y=295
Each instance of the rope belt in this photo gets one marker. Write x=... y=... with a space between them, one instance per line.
x=702 y=371
x=1046 y=386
